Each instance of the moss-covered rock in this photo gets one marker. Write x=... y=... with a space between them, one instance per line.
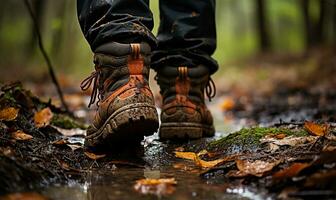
x=248 y=139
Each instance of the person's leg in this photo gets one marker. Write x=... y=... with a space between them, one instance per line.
x=186 y=41
x=119 y=34
x=124 y=21
x=187 y=34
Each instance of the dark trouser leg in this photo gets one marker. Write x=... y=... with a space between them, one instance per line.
x=123 y=21
x=187 y=34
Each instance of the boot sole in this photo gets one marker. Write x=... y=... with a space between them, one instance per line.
x=127 y=125
x=184 y=131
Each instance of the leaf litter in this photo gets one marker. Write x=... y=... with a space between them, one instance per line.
x=159 y=187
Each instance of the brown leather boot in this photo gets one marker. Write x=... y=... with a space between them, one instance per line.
x=184 y=114
x=126 y=111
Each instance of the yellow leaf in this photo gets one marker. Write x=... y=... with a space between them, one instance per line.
x=186 y=155
x=203 y=152
x=162 y=186
x=43 y=117
x=9 y=113
x=208 y=164
x=198 y=161
x=94 y=156
x=227 y=104
x=316 y=129
x=20 y=135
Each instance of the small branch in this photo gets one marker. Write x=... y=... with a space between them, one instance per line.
x=45 y=56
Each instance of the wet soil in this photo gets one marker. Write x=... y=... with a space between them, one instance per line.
x=59 y=172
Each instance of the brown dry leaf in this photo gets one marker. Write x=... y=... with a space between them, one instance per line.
x=227 y=104
x=179 y=149
x=163 y=186
x=7 y=151
x=291 y=171
x=64 y=165
x=316 y=129
x=94 y=156
x=280 y=136
x=256 y=168
x=24 y=196
x=20 y=135
x=60 y=142
x=9 y=114
x=43 y=117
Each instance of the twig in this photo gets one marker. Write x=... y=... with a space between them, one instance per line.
x=45 y=55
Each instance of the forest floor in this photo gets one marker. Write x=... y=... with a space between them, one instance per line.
x=276 y=139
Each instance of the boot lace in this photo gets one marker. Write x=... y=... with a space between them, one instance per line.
x=96 y=90
x=210 y=89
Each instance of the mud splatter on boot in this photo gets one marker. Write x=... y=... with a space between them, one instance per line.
x=184 y=114
x=126 y=111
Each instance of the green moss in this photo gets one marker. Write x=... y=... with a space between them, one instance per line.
x=64 y=121
x=248 y=138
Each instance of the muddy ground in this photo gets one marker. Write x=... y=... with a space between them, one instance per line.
x=282 y=144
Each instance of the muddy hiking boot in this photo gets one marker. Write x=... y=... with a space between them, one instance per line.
x=184 y=114
x=125 y=109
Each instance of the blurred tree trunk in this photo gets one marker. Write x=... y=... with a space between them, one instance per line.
x=261 y=21
x=314 y=30
x=39 y=7
x=59 y=31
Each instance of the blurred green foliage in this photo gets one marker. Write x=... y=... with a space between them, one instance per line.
x=236 y=32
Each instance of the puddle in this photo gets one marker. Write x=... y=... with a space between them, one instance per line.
x=118 y=183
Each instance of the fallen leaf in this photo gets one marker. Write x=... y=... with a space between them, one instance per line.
x=64 y=165
x=20 y=135
x=290 y=140
x=257 y=168
x=159 y=187
x=43 y=117
x=74 y=147
x=179 y=149
x=329 y=148
x=208 y=164
x=24 y=196
x=203 y=152
x=70 y=132
x=9 y=114
x=280 y=136
x=291 y=171
x=186 y=155
x=316 y=129
x=7 y=151
x=198 y=161
x=227 y=104
x=272 y=147
x=60 y=142
x=94 y=156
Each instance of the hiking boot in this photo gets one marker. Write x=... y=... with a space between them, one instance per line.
x=184 y=114
x=126 y=111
